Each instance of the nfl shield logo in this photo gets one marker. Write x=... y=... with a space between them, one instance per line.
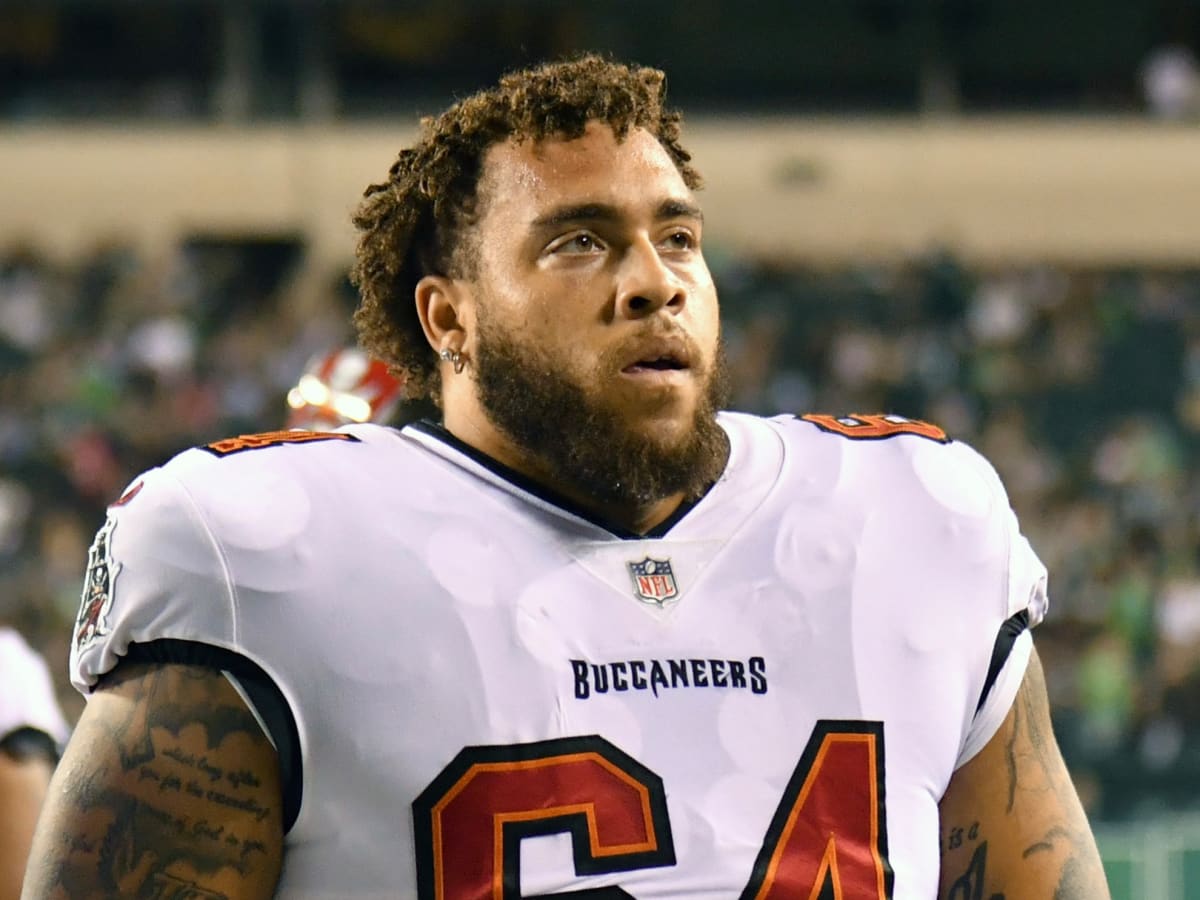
x=653 y=581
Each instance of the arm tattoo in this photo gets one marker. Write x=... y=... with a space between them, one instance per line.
x=168 y=887
x=1074 y=883
x=1036 y=719
x=1010 y=757
x=1047 y=842
x=1034 y=766
x=970 y=885
x=1013 y=826
x=165 y=814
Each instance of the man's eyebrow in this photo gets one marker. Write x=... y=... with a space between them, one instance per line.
x=678 y=209
x=580 y=212
x=603 y=212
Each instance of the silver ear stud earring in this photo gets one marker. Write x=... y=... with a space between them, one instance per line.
x=455 y=358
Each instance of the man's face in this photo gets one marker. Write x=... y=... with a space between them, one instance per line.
x=596 y=333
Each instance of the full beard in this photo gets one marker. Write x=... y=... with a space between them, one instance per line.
x=577 y=441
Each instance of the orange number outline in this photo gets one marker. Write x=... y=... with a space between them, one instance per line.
x=603 y=768
x=876 y=426
x=844 y=758
x=273 y=439
x=836 y=792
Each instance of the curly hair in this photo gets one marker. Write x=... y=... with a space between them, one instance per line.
x=415 y=223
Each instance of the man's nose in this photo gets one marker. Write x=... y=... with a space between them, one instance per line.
x=645 y=285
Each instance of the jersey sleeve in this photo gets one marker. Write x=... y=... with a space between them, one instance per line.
x=947 y=586
x=1025 y=600
x=155 y=571
x=27 y=691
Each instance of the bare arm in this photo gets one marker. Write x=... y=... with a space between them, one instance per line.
x=1012 y=825
x=167 y=789
x=22 y=791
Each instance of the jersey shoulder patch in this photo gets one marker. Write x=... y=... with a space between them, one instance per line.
x=261 y=441
x=876 y=426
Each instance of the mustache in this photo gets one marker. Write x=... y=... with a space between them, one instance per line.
x=614 y=357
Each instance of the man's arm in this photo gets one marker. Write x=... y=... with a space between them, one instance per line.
x=168 y=788
x=1012 y=826
x=23 y=781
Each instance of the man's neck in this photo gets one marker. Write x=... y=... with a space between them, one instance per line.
x=480 y=433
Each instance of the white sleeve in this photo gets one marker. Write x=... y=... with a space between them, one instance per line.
x=26 y=690
x=1026 y=600
x=154 y=572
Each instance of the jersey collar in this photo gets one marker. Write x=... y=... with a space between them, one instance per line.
x=434 y=437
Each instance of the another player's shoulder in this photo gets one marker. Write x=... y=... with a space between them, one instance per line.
x=29 y=703
x=17 y=658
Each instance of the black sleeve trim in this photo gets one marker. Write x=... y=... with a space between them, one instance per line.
x=1009 y=632
x=27 y=743
x=268 y=701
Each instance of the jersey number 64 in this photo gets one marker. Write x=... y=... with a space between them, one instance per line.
x=826 y=841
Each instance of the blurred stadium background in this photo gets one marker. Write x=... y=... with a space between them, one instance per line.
x=981 y=212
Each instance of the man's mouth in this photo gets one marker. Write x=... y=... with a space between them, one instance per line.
x=665 y=363
x=658 y=355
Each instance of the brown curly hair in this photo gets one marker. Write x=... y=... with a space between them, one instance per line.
x=414 y=224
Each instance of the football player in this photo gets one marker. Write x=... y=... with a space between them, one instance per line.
x=584 y=634
x=32 y=730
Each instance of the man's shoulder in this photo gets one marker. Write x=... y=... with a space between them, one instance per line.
x=886 y=455
x=230 y=466
x=291 y=450
x=862 y=429
x=865 y=430
x=195 y=545
x=265 y=481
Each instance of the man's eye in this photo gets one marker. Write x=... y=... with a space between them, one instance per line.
x=580 y=243
x=681 y=240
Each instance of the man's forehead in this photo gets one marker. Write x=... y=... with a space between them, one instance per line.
x=536 y=173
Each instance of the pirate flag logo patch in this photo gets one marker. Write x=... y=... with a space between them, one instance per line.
x=96 y=601
x=653 y=581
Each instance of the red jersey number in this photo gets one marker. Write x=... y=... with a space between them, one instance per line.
x=826 y=841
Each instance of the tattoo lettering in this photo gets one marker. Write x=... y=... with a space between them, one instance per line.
x=970 y=884
x=237 y=779
x=957 y=835
x=168 y=818
x=167 y=887
x=246 y=805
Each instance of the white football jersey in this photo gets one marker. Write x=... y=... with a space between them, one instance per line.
x=496 y=696
x=26 y=691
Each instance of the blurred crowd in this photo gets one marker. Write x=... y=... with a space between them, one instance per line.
x=1081 y=386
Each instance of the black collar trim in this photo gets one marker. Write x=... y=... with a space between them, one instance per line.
x=437 y=431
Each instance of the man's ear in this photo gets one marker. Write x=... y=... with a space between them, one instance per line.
x=443 y=306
